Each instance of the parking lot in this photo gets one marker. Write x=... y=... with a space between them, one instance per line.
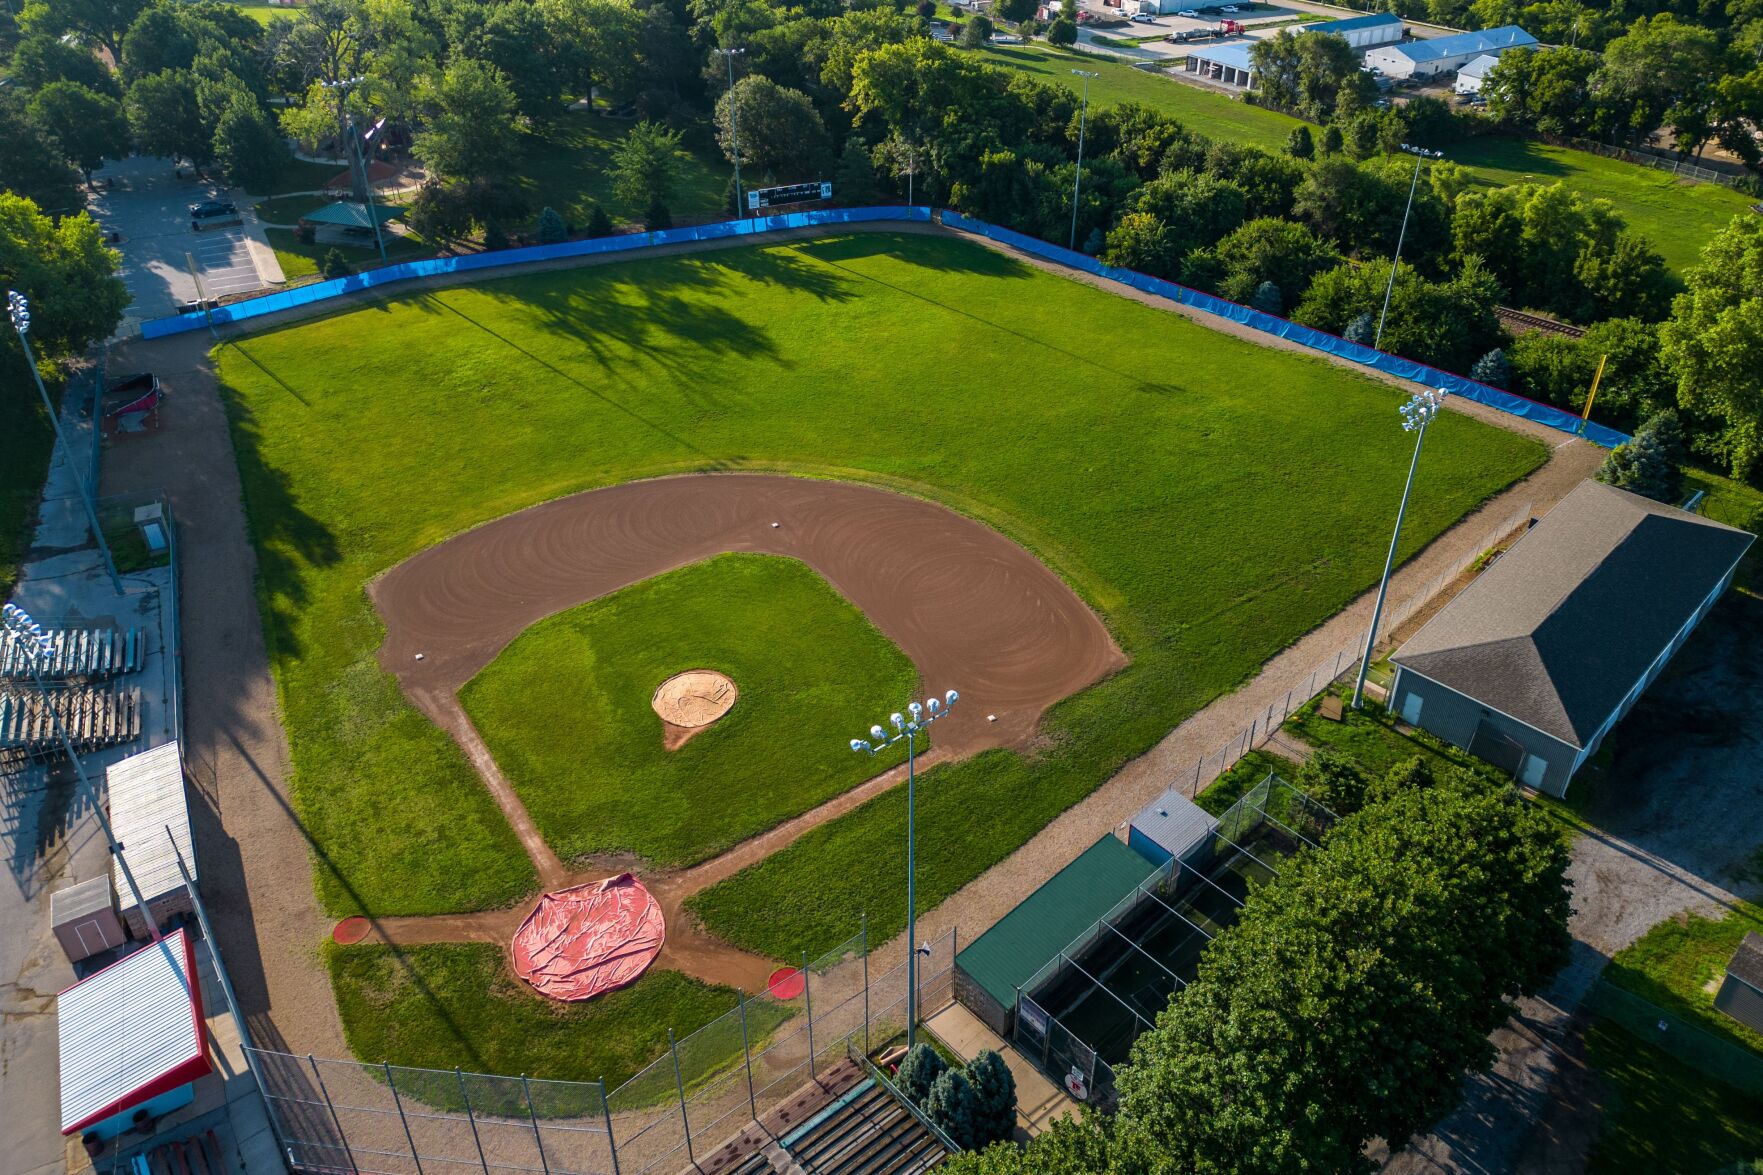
x=148 y=204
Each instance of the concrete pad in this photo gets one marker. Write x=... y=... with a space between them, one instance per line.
x=1038 y=1101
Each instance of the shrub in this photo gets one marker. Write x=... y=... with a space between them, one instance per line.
x=922 y=1066
x=1649 y=465
x=599 y=224
x=551 y=227
x=952 y=1106
x=1299 y=144
x=927 y=8
x=1331 y=140
x=1268 y=299
x=1062 y=32
x=976 y=32
x=1492 y=369
x=305 y=233
x=657 y=217
x=1361 y=330
x=994 y=1095
x=335 y=264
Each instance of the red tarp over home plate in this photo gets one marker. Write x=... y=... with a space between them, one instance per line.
x=591 y=939
x=131 y=1032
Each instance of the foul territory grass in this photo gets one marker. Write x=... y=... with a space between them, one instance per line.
x=566 y=709
x=1214 y=499
x=455 y=1004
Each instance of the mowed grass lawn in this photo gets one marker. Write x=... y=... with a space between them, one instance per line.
x=1661 y=1115
x=1213 y=498
x=566 y=709
x=456 y=1004
x=1677 y=217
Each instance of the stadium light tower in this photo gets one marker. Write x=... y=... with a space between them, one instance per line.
x=734 y=130
x=18 y=308
x=17 y=626
x=1417 y=413
x=1077 y=183
x=1419 y=153
x=909 y=726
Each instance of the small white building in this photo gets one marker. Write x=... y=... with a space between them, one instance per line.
x=1441 y=55
x=1471 y=76
x=146 y=798
x=1362 y=32
x=1229 y=64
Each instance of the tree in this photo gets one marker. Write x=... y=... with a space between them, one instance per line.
x=1361 y=329
x=1356 y=988
x=335 y=265
x=976 y=32
x=468 y=121
x=1714 y=341
x=66 y=271
x=1492 y=369
x=440 y=214
x=32 y=163
x=951 y=1105
x=1636 y=385
x=1448 y=324
x=1650 y=464
x=1332 y=143
x=644 y=166
x=1545 y=89
x=1552 y=369
x=165 y=119
x=551 y=229
x=1299 y=144
x=781 y=135
x=164 y=37
x=994 y=1097
x=90 y=126
x=1142 y=242
x=854 y=180
x=1062 y=32
x=1015 y=11
x=1334 y=781
x=40 y=60
x=247 y=146
x=1271 y=250
x=1660 y=67
x=1268 y=299
x=1309 y=73
x=1626 y=278
x=1197 y=209
x=922 y=1066
x=104 y=21
x=599 y=224
x=1070 y=1146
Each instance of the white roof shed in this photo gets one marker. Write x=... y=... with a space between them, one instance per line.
x=1170 y=826
x=131 y=1032
x=147 y=795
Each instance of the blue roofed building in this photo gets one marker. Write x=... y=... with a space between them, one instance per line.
x=1363 y=32
x=1442 y=55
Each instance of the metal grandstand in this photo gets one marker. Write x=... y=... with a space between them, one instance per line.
x=1078 y=1016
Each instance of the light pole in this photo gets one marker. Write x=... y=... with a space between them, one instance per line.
x=734 y=130
x=18 y=308
x=1419 y=154
x=909 y=726
x=357 y=158
x=1077 y=182
x=1417 y=413
x=17 y=624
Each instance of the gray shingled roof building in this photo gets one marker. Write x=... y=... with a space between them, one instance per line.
x=1536 y=660
x=1741 y=992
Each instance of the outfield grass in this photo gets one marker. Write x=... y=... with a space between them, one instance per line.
x=1662 y=1116
x=1215 y=499
x=1677 y=217
x=455 y=1004
x=568 y=167
x=1677 y=963
x=565 y=709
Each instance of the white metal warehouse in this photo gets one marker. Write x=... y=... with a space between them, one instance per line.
x=1425 y=59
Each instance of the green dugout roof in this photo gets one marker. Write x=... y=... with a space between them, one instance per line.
x=1048 y=919
x=351 y=215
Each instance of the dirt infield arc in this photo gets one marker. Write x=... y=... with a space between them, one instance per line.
x=973 y=610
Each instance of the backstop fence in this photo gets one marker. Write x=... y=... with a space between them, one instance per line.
x=366 y=1119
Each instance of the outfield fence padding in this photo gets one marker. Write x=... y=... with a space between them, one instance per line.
x=1317 y=340
x=528 y=255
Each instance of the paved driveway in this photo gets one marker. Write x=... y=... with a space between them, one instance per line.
x=149 y=205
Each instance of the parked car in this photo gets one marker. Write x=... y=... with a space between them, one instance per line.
x=1189 y=13
x=212 y=208
x=1230 y=8
x=1143 y=18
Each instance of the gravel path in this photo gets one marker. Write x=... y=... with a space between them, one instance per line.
x=255 y=855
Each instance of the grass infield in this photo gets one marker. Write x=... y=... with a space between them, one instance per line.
x=565 y=709
x=1214 y=499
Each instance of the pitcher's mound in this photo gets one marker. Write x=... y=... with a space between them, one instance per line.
x=690 y=701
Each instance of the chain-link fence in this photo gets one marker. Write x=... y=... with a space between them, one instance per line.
x=1338 y=665
x=1694 y=1046
x=346 y=1116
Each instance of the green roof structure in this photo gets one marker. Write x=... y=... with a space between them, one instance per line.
x=351 y=215
x=1047 y=920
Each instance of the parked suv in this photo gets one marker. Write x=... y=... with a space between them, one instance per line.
x=212 y=212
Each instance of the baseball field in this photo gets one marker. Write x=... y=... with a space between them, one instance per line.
x=1210 y=500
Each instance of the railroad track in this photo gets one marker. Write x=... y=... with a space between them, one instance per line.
x=1518 y=322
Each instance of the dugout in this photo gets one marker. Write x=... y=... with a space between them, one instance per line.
x=992 y=967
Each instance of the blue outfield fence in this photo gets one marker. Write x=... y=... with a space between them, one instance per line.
x=531 y=254
x=1544 y=414
x=1457 y=385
